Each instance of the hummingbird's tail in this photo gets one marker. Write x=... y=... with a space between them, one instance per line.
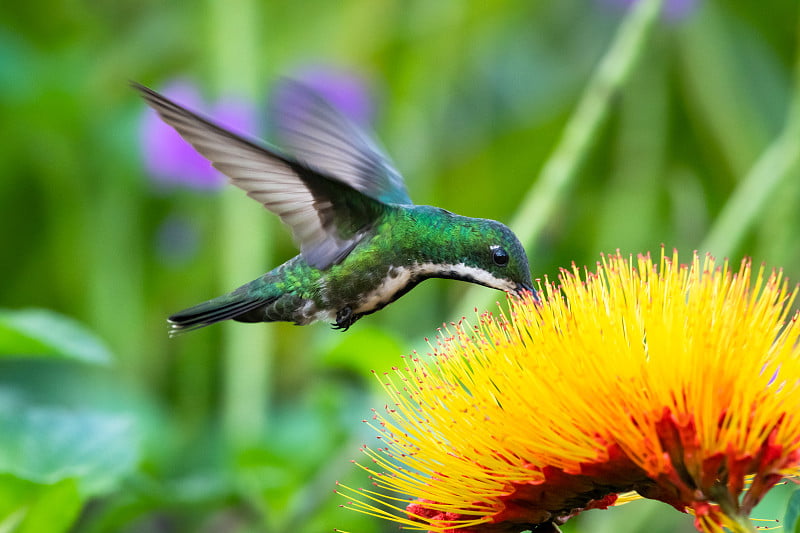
x=233 y=305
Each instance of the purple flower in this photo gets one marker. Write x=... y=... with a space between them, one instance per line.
x=673 y=9
x=172 y=161
x=346 y=90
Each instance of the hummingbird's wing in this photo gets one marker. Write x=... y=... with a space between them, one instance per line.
x=328 y=217
x=314 y=132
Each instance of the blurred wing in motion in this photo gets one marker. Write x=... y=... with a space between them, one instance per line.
x=317 y=134
x=328 y=216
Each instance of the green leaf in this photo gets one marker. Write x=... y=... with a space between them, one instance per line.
x=41 y=333
x=48 y=445
x=791 y=520
x=27 y=507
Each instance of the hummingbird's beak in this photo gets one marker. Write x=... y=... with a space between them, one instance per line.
x=522 y=288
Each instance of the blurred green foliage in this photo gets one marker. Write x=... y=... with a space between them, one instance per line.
x=472 y=98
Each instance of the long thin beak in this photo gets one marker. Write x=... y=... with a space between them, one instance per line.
x=521 y=288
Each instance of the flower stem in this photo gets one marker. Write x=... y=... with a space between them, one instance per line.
x=243 y=245
x=735 y=521
x=580 y=131
x=776 y=164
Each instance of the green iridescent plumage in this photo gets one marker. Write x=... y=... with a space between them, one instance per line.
x=363 y=243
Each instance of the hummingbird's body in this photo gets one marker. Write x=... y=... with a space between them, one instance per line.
x=363 y=243
x=387 y=268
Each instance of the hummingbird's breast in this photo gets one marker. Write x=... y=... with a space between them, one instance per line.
x=401 y=279
x=397 y=281
x=409 y=245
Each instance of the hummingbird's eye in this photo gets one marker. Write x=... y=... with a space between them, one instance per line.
x=499 y=256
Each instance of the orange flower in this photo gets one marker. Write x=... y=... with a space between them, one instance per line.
x=675 y=381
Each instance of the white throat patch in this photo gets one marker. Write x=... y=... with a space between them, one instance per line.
x=399 y=277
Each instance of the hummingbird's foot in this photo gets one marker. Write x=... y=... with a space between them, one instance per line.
x=345 y=318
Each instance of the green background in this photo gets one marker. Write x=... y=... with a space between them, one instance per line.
x=246 y=428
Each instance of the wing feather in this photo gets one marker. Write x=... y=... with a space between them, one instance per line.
x=326 y=231
x=317 y=134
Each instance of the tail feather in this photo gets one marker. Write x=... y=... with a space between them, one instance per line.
x=213 y=311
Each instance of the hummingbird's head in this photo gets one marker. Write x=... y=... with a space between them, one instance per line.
x=485 y=252
x=498 y=252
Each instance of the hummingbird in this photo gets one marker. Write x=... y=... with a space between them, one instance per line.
x=363 y=242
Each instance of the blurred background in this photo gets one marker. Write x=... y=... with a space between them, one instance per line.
x=109 y=225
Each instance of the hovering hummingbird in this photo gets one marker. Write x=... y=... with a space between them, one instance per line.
x=363 y=242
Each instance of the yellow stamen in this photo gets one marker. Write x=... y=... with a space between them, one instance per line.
x=673 y=380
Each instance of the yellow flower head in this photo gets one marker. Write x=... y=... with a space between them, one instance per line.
x=676 y=381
